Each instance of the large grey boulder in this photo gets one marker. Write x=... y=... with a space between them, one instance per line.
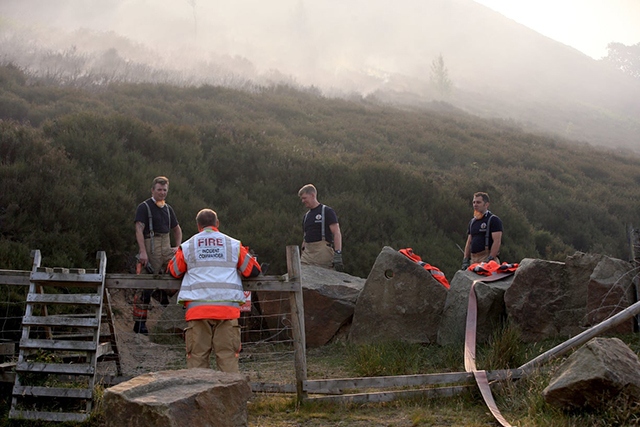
x=329 y=302
x=536 y=297
x=490 y=306
x=610 y=291
x=400 y=301
x=561 y=299
x=548 y=298
x=598 y=371
x=188 y=397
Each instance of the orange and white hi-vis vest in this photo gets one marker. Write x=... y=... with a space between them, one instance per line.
x=491 y=268
x=435 y=271
x=211 y=264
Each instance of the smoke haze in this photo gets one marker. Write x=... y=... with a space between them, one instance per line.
x=367 y=47
x=318 y=42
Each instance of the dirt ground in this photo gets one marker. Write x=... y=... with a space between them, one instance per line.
x=139 y=353
x=163 y=348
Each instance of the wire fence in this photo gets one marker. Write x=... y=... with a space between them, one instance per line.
x=267 y=354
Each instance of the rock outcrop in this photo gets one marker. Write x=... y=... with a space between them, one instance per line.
x=610 y=290
x=554 y=299
x=595 y=373
x=329 y=302
x=491 y=308
x=188 y=397
x=400 y=301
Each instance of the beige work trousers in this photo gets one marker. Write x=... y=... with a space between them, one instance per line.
x=482 y=257
x=317 y=253
x=158 y=260
x=221 y=336
x=162 y=252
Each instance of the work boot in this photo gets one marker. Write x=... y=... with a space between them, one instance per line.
x=165 y=299
x=161 y=296
x=140 y=327
x=157 y=295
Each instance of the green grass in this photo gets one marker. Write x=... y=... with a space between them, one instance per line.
x=521 y=401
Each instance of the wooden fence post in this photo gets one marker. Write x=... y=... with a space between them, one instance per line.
x=297 y=320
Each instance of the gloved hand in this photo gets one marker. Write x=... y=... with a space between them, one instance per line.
x=337 y=261
x=264 y=267
x=466 y=262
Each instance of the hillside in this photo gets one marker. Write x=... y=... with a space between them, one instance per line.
x=498 y=68
x=75 y=163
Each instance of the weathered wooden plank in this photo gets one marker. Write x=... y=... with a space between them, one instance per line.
x=55 y=368
x=332 y=386
x=56 y=278
x=76 y=299
x=14 y=277
x=260 y=387
x=58 y=344
x=104 y=349
x=388 y=396
x=59 y=321
x=75 y=393
x=148 y=281
x=48 y=416
x=141 y=281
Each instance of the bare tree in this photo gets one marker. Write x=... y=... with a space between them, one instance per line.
x=440 y=77
x=192 y=3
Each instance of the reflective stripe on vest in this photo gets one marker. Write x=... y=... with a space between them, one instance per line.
x=435 y=271
x=492 y=267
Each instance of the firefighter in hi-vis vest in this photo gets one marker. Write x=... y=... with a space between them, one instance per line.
x=155 y=220
x=212 y=265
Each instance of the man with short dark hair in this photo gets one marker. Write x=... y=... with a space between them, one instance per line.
x=212 y=265
x=322 y=239
x=484 y=233
x=155 y=220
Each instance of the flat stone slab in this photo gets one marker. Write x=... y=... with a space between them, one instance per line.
x=187 y=397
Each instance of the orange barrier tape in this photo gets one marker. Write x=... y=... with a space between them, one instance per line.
x=470 y=355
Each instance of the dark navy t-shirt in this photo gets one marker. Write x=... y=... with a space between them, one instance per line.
x=164 y=220
x=312 y=224
x=478 y=230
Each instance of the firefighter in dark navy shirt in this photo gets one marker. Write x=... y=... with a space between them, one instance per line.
x=322 y=241
x=484 y=233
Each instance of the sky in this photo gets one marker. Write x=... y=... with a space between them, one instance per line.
x=587 y=25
